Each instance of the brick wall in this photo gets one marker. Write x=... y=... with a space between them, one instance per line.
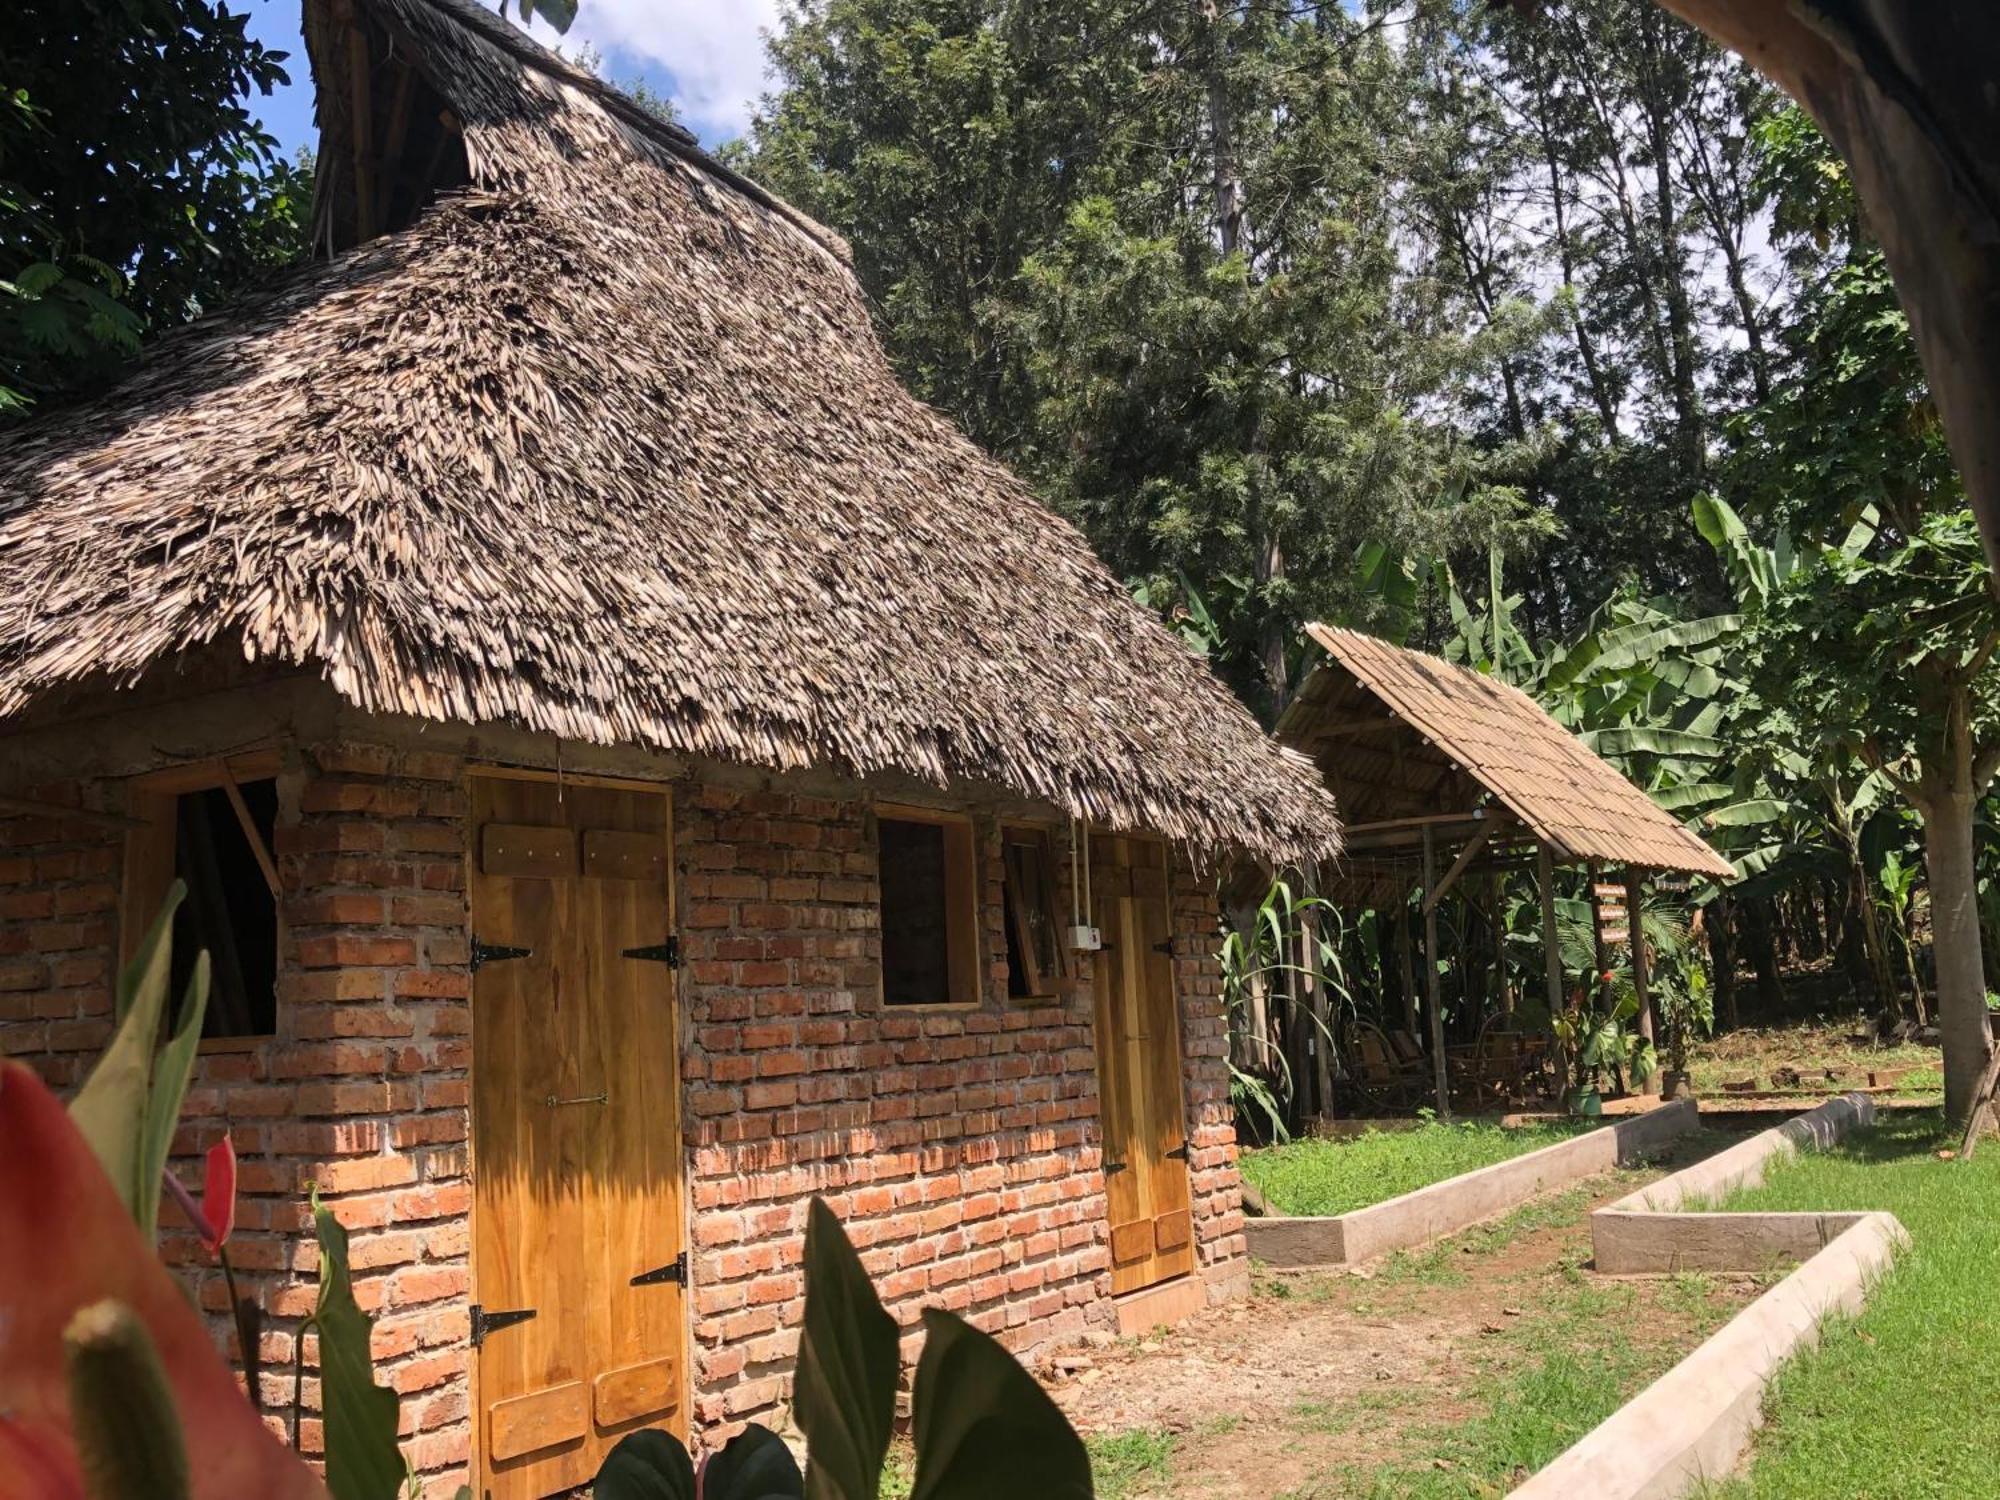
x=960 y=1146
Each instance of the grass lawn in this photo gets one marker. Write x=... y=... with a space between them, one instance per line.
x=1335 y=1177
x=1898 y=1402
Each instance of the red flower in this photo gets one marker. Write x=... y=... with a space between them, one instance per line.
x=218 y=1194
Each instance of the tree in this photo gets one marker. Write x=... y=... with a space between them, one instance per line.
x=1905 y=93
x=137 y=191
x=1883 y=648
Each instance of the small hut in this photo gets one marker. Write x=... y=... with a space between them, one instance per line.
x=635 y=768
x=1444 y=774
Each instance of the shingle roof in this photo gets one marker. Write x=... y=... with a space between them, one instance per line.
x=1458 y=733
x=600 y=443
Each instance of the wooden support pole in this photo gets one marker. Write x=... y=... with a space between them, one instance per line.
x=1642 y=968
x=1458 y=866
x=1322 y=1039
x=1406 y=940
x=1598 y=950
x=1431 y=981
x=1552 y=949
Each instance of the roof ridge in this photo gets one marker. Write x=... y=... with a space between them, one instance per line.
x=668 y=134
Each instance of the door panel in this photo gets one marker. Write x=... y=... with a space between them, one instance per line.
x=576 y=1130
x=1139 y=1066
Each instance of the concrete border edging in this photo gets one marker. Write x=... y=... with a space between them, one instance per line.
x=1694 y=1423
x=1429 y=1213
x=1654 y=1230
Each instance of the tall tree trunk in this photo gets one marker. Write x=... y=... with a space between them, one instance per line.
x=1961 y=975
x=1722 y=958
x=1764 y=957
x=1600 y=392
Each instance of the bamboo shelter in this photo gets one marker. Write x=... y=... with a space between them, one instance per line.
x=1444 y=774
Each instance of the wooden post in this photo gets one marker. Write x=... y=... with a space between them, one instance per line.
x=1406 y=940
x=1431 y=980
x=1599 y=951
x=1322 y=1033
x=1545 y=869
x=1642 y=975
x=1502 y=977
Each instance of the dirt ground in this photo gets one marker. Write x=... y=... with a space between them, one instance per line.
x=1398 y=1378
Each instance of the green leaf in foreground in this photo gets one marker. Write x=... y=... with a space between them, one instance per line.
x=130 y=1103
x=985 y=1429
x=648 y=1465
x=849 y=1357
x=753 y=1465
x=362 y=1462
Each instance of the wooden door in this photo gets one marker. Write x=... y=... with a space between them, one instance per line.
x=1139 y=1066
x=577 y=1209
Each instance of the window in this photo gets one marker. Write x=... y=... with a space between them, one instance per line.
x=1037 y=960
x=211 y=828
x=930 y=909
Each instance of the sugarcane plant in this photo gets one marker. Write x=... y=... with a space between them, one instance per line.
x=112 y=1389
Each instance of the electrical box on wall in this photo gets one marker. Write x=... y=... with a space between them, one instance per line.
x=1085 y=939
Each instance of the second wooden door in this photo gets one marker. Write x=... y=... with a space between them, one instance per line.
x=578 y=1265
x=1139 y=1066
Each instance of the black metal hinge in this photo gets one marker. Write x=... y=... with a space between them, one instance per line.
x=1167 y=947
x=1179 y=1153
x=675 y=1270
x=1113 y=1166
x=488 y=953
x=668 y=953
x=484 y=1322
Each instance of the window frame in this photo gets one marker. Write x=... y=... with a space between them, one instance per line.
x=149 y=857
x=964 y=957
x=1040 y=841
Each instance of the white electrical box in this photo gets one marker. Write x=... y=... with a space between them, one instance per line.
x=1085 y=939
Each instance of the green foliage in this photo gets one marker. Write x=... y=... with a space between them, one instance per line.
x=359 y=1416
x=1268 y=958
x=648 y=1465
x=136 y=190
x=849 y=1357
x=130 y=1104
x=985 y=1428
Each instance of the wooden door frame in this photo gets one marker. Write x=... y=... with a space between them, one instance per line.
x=681 y=1423
x=1180 y=1056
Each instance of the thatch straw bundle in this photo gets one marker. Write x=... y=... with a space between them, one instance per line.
x=603 y=444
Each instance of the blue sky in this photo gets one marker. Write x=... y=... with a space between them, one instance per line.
x=706 y=55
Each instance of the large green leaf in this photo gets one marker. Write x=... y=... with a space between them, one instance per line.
x=647 y=1465
x=753 y=1465
x=1750 y=814
x=985 y=1429
x=849 y=1357
x=128 y=1106
x=359 y=1416
x=1692 y=794
x=1641 y=740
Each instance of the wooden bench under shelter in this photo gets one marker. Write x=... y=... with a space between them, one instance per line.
x=1444 y=776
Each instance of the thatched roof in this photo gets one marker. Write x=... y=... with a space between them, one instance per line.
x=1405 y=739
x=586 y=434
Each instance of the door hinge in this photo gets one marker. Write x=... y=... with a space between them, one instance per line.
x=1166 y=947
x=675 y=1270
x=489 y=953
x=1113 y=1166
x=1179 y=1153
x=484 y=1322
x=668 y=953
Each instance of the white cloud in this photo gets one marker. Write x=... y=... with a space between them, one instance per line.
x=712 y=50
